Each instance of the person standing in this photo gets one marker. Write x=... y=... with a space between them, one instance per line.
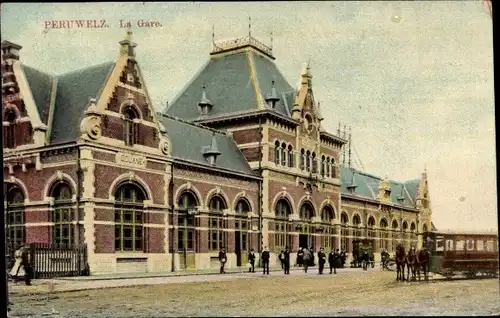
x=286 y=260
x=251 y=260
x=222 y=260
x=300 y=257
x=321 y=260
x=265 y=260
x=306 y=258
x=282 y=260
x=336 y=261
x=342 y=258
x=28 y=273
x=312 y=263
x=330 y=260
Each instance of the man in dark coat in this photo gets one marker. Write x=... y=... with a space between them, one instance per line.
x=286 y=260
x=331 y=259
x=321 y=260
x=28 y=273
x=282 y=260
x=222 y=260
x=300 y=255
x=342 y=258
x=312 y=256
x=251 y=260
x=265 y=260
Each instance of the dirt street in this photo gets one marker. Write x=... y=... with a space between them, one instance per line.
x=349 y=294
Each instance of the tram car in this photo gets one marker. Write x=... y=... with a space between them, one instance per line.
x=357 y=254
x=455 y=253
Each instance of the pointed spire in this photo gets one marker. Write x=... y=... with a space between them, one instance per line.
x=318 y=112
x=306 y=76
x=211 y=152
x=213 y=145
x=401 y=197
x=126 y=45
x=352 y=186
x=272 y=98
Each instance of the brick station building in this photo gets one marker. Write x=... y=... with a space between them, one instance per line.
x=239 y=159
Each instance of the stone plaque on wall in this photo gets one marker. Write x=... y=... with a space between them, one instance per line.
x=128 y=159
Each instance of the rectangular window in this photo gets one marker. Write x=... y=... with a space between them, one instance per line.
x=215 y=234
x=290 y=159
x=128 y=230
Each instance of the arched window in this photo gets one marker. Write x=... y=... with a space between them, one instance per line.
x=323 y=166
x=371 y=226
x=327 y=215
x=284 y=157
x=281 y=227
x=15 y=217
x=216 y=206
x=412 y=227
x=308 y=160
x=306 y=211
x=424 y=228
x=186 y=221
x=10 y=117
x=302 y=159
x=332 y=168
x=130 y=128
x=395 y=233
x=277 y=152
x=63 y=215
x=291 y=161
x=406 y=237
x=405 y=226
x=129 y=205
x=356 y=221
x=242 y=207
x=314 y=163
x=384 y=235
x=328 y=167
x=344 y=232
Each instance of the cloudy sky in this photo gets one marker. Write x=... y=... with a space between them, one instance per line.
x=414 y=80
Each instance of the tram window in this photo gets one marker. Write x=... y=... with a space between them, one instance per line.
x=480 y=245
x=460 y=245
x=449 y=245
x=439 y=244
x=490 y=246
x=470 y=245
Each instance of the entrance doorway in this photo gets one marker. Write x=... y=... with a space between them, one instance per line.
x=303 y=240
x=237 y=247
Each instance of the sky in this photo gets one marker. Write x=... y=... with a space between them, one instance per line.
x=413 y=80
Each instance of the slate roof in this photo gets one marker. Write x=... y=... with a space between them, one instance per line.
x=40 y=84
x=73 y=92
x=230 y=88
x=367 y=186
x=187 y=141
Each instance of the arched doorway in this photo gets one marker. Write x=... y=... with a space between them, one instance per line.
x=241 y=226
x=306 y=214
x=328 y=233
x=186 y=229
x=281 y=227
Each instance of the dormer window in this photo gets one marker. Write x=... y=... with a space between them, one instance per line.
x=272 y=98
x=10 y=117
x=131 y=128
x=205 y=105
x=211 y=152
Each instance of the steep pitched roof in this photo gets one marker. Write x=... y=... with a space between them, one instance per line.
x=73 y=92
x=178 y=131
x=367 y=186
x=231 y=88
x=40 y=84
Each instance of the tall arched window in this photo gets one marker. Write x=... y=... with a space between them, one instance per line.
x=241 y=225
x=284 y=156
x=291 y=161
x=129 y=206
x=281 y=227
x=356 y=221
x=344 y=232
x=216 y=206
x=130 y=128
x=424 y=228
x=332 y=168
x=395 y=233
x=413 y=234
x=384 y=235
x=277 y=152
x=323 y=166
x=302 y=159
x=406 y=237
x=314 y=163
x=371 y=227
x=308 y=160
x=62 y=216
x=328 y=167
x=10 y=117
x=327 y=237
x=15 y=217
x=186 y=221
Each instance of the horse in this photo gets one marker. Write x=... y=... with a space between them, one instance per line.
x=411 y=259
x=400 y=262
x=422 y=262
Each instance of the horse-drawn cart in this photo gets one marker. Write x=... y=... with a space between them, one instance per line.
x=454 y=254
x=362 y=251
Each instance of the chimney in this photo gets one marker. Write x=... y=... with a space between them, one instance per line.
x=10 y=50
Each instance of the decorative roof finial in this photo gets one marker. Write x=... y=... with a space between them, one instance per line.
x=249 y=26
x=205 y=104
x=318 y=111
x=126 y=45
x=271 y=41
x=211 y=152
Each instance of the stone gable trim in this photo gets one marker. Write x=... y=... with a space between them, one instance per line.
x=188 y=165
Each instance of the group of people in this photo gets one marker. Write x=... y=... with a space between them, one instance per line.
x=305 y=259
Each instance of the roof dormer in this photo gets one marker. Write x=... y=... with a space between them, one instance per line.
x=211 y=152
x=205 y=105
x=272 y=98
